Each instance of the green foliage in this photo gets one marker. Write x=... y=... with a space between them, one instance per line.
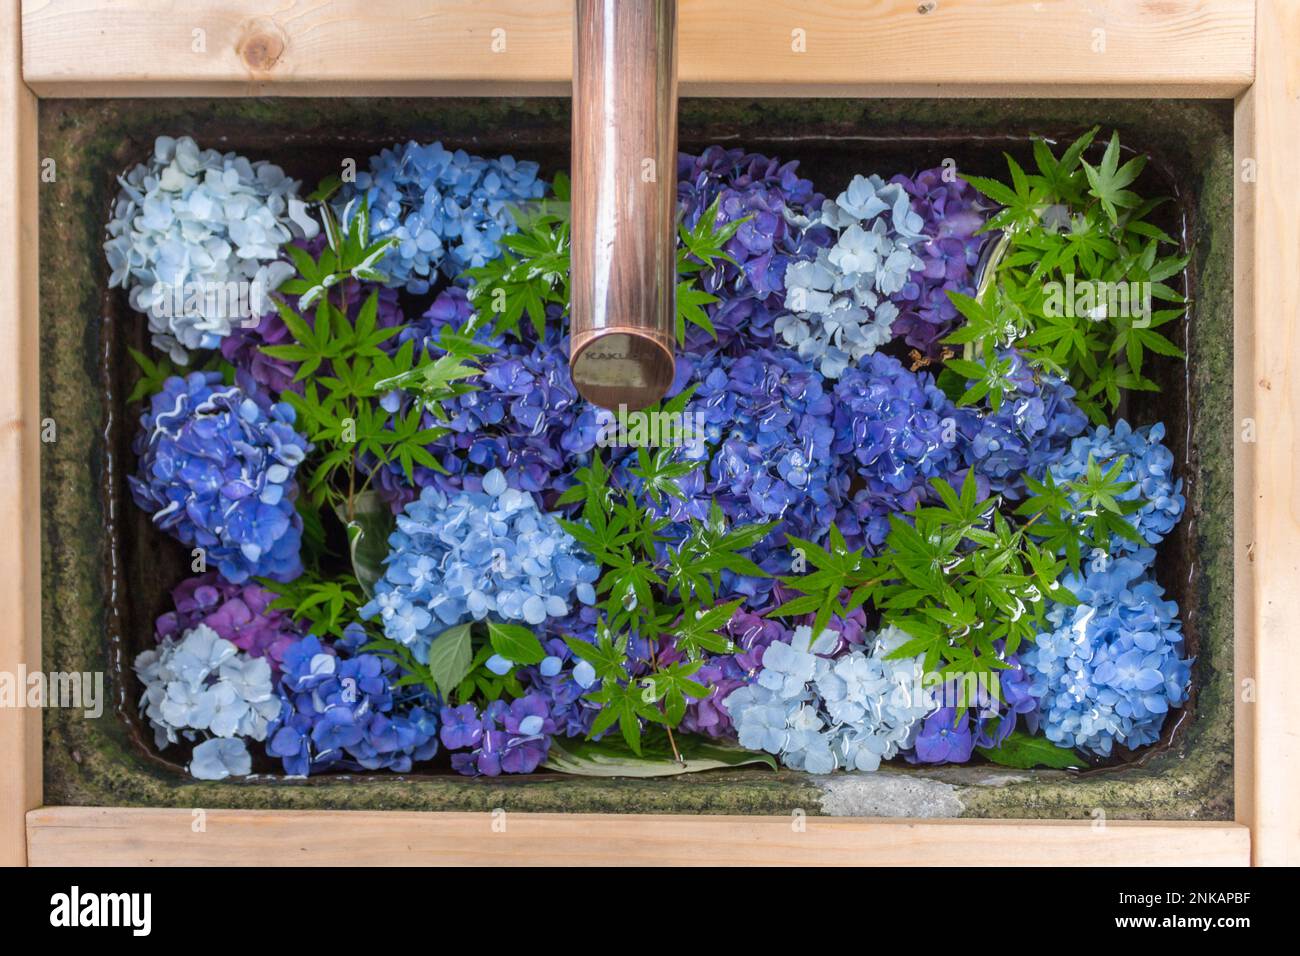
x=960 y=575
x=612 y=757
x=321 y=606
x=152 y=375
x=1023 y=752
x=345 y=371
x=1073 y=234
x=533 y=270
x=656 y=589
x=956 y=577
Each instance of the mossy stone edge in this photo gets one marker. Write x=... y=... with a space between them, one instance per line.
x=96 y=762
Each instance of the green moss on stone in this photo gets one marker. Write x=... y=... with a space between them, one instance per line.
x=101 y=762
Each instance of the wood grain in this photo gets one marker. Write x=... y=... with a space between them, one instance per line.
x=624 y=238
x=775 y=47
x=1268 y=387
x=61 y=836
x=20 y=558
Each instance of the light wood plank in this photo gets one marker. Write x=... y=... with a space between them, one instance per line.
x=62 y=836
x=773 y=47
x=1269 y=283
x=20 y=557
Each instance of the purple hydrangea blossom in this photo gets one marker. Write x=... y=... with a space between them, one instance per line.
x=767 y=419
x=951 y=212
x=951 y=733
x=502 y=738
x=216 y=472
x=779 y=203
x=447 y=210
x=525 y=416
x=240 y=613
x=340 y=711
x=562 y=686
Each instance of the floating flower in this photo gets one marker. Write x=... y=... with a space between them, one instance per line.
x=837 y=302
x=220 y=757
x=951 y=213
x=1112 y=667
x=447 y=210
x=1147 y=463
x=503 y=738
x=195 y=236
x=338 y=710
x=217 y=472
x=202 y=684
x=820 y=714
x=458 y=558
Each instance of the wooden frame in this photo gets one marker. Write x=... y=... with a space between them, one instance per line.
x=1245 y=49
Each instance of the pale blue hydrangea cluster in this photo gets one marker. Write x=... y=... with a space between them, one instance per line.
x=217 y=471
x=447 y=210
x=462 y=557
x=1113 y=666
x=1148 y=463
x=191 y=226
x=838 y=303
x=820 y=714
x=203 y=685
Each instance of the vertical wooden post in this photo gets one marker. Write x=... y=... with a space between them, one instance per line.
x=624 y=200
x=20 y=558
x=1268 y=384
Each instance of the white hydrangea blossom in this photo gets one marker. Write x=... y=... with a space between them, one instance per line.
x=203 y=684
x=195 y=237
x=839 y=308
x=821 y=715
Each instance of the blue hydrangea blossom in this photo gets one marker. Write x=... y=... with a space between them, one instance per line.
x=217 y=467
x=1029 y=432
x=1112 y=667
x=338 y=710
x=1149 y=464
x=462 y=557
x=447 y=210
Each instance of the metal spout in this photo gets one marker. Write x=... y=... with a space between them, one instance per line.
x=624 y=274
